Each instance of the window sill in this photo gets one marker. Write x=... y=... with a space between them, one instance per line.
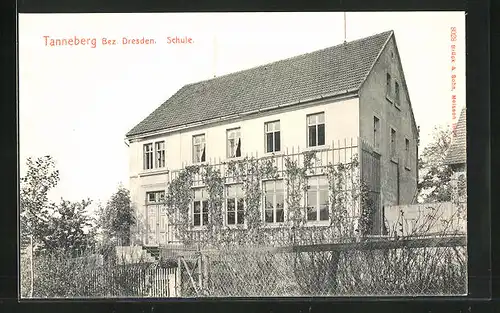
x=275 y=153
x=389 y=99
x=397 y=106
x=317 y=223
x=234 y=159
x=407 y=168
x=197 y=228
x=394 y=160
x=316 y=148
x=275 y=225
x=198 y=163
x=153 y=172
x=236 y=227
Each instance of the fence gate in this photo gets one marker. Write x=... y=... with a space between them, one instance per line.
x=370 y=174
x=193 y=274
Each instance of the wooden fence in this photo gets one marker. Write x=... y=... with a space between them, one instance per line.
x=134 y=282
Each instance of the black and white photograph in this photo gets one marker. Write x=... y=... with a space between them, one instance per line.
x=242 y=155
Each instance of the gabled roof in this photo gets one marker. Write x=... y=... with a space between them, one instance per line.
x=457 y=154
x=331 y=71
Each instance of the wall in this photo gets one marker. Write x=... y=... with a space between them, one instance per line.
x=373 y=102
x=421 y=219
x=341 y=118
x=341 y=122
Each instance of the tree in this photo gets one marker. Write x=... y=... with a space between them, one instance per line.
x=53 y=227
x=41 y=176
x=435 y=176
x=65 y=230
x=117 y=217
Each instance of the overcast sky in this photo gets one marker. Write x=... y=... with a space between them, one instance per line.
x=76 y=102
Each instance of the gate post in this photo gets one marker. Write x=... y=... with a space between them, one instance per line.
x=178 y=278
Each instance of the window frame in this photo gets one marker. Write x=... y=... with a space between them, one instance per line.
x=160 y=160
x=376 y=133
x=407 y=154
x=158 y=199
x=148 y=156
x=388 y=86
x=319 y=188
x=316 y=124
x=228 y=133
x=236 y=211
x=273 y=132
x=194 y=145
x=275 y=195
x=203 y=204
x=397 y=95
x=393 y=144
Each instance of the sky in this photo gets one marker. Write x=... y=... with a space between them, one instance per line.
x=76 y=103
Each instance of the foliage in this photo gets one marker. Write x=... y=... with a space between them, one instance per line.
x=65 y=228
x=435 y=177
x=250 y=172
x=117 y=217
x=296 y=184
x=178 y=200
x=53 y=226
x=347 y=193
x=364 y=268
x=41 y=176
x=58 y=274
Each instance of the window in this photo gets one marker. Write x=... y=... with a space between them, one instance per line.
x=376 y=131
x=316 y=130
x=200 y=207
x=233 y=143
x=272 y=139
x=154 y=197
x=317 y=199
x=234 y=205
x=393 y=143
x=274 y=202
x=160 y=154
x=148 y=156
x=388 y=85
x=199 y=148
x=396 y=93
x=407 y=153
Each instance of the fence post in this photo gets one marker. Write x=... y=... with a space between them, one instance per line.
x=200 y=271
x=206 y=264
x=178 y=278
x=31 y=265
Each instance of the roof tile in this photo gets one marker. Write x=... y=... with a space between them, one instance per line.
x=457 y=154
x=328 y=71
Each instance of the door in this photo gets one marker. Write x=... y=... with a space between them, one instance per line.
x=152 y=226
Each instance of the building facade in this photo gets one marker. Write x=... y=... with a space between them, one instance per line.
x=333 y=100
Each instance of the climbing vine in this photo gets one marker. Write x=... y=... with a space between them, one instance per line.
x=296 y=185
x=178 y=199
x=346 y=193
x=250 y=172
x=214 y=184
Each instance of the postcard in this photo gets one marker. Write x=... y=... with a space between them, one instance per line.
x=242 y=155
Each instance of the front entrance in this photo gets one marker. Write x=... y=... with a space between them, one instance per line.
x=152 y=231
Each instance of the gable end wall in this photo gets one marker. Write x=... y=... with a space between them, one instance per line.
x=373 y=102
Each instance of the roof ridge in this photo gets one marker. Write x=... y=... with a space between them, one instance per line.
x=290 y=58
